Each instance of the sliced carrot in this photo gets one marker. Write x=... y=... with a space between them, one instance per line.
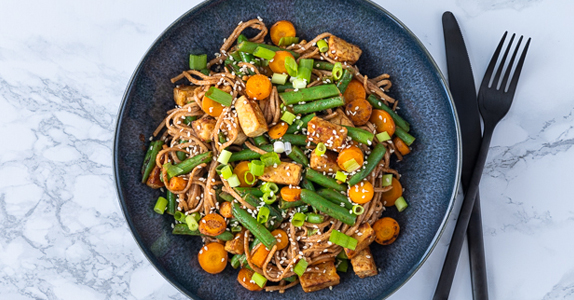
x=281 y=29
x=258 y=87
x=362 y=192
x=386 y=230
x=359 y=111
x=240 y=170
x=177 y=184
x=258 y=258
x=278 y=130
x=389 y=197
x=383 y=121
x=211 y=107
x=277 y=64
x=290 y=194
x=355 y=90
x=212 y=225
x=282 y=238
x=401 y=146
x=212 y=258
x=244 y=278
x=225 y=210
x=347 y=154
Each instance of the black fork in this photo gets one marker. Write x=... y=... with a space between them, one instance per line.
x=494 y=100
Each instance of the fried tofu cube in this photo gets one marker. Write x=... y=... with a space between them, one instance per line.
x=285 y=173
x=341 y=119
x=250 y=117
x=204 y=127
x=153 y=181
x=235 y=246
x=364 y=264
x=324 y=163
x=183 y=94
x=341 y=50
x=325 y=277
x=321 y=131
x=364 y=235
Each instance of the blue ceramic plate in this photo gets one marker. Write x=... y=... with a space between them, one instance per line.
x=430 y=172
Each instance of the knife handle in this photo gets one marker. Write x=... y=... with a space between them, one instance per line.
x=476 y=253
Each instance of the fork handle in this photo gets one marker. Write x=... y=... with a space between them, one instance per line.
x=447 y=274
x=476 y=253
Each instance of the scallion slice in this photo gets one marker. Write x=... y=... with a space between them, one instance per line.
x=343 y=240
x=358 y=209
x=270 y=159
x=322 y=45
x=278 y=147
x=387 y=179
x=341 y=176
x=269 y=198
x=219 y=96
x=160 y=205
x=263 y=215
x=299 y=83
x=298 y=219
x=256 y=167
x=224 y=156
x=249 y=178
x=337 y=71
x=264 y=53
x=301 y=267
x=259 y=279
x=197 y=62
x=401 y=204
x=197 y=216
x=279 y=79
x=233 y=181
x=288 y=148
x=226 y=171
x=179 y=216
x=219 y=168
x=321 y=149
x=383 y=136
x=288 y=117
x=291 y=66
x=288 y=40
x=191 y=223
x=342 y=265
x=269 y=187
x=351 y=165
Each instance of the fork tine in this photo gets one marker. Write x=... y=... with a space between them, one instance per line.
x=501 y=66
x=490 y=69
x=504 y=82
x=514 y=81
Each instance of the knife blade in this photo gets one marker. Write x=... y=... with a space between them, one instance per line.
x=461 y=84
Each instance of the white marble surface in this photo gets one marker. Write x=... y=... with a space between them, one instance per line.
x=63 y=69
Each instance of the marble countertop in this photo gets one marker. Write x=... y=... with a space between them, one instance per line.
x=64 y=66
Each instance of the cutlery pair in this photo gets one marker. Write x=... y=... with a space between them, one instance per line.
x=494 y=100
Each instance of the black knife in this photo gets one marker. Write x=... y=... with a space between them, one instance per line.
x=461 y=83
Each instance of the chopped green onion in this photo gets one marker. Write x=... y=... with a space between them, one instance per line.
x=269 y=187
x=249 y=178
x=179 y=216
x=351 y=165
x=242 y=38
x=301 y=267
x=288 y=40
x=343 y=265
x=197 y=62
x=256 y=167
x=291 y=66
x=172 y=170
x=219 y=96
x=204 y=71
x=315 y=218
x=197 y=216
x=287 y=147
x=321 y=149
x=343 y=240
x=341 y=176
x=270 y=159
x=280 y=79
x=387 y=179
x=259 y=279
x=233 y=181
x=264 y=62
x=298 y=219
x=358 y=209
x=269 y=198
x=305 y=68
x=264 y=53
x=401 y=204
x=226 y=172
x=322 y=45
x=342 y=255
x=224 y=156
x=160 y=205
x=299 y=83
x=189 y=119
x=278 y=147
x=290 y=278
x=191 y=223
x=236 y=229
x=219 y=168
x=263 y=215
x=337 y=71
x=383 y=136
x=288 y=117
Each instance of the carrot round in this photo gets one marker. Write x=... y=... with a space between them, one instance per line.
x=347 y=154
x=277 y=131
x=177 y=184
x=258 y=258
x=389 y=197
x=282 y=238
x=212 y=225
x=244 y=278
x=362 y=192
x=212 y=258
x=211 y=107
x=386 y=230
x=225 y=210
x=277 y=64
x=290 y=194
x=354 y=91
x=240 y=170
x=383 y=121
x=359 y=111
x=401 y=146
x=258 y=87
x=281 y=29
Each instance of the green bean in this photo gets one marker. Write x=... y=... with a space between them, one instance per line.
x=260 y=140
x=182 y=229
x=399 y=121
x=247 y=154
x=344 y=81
x=226 y=197
x=286 y=205
x=324 y=180
x=335 y=197
x=328 y=207
x=171 y=202
x=258 y=230
x=249 y=47
x=403 y=135
x=300 y=124
x=294 y=139
x=149 y=159
x=309 y=94
x=319 y=105
x=372 y=161
x=323 y=65
x=360 y=135
x=238 y=260
x=249 y=190
x=315 y=218
x=306 y=184
x=297 y=155
x=275 y=217
x=187 y=165
x=242 y=38
x=284 y=87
